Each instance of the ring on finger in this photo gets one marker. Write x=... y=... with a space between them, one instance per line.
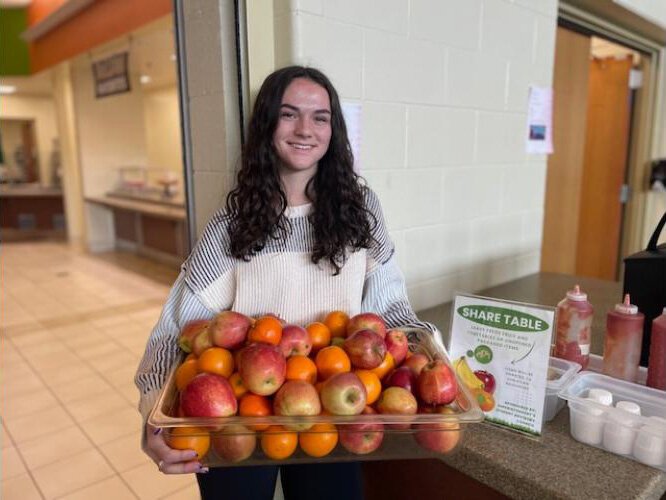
x=160 y=465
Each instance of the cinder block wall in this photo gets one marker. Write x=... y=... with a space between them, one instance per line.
x=443 y=86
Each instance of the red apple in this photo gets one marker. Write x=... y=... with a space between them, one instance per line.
x=262 y=368
x=397 y=401
x=295 y=340
x=367 y=321
x=437 y=383
x=365 y=349
x=297 y=398
x=362 y=438
x=440 y=437
x=189 y=332
x=343 y=394
x=201 y=342
x=416 y=362
x=397 y=345
x=208 y=395
x=488 y=380
x=402 y=377
x=229 y=329
x=234 y=443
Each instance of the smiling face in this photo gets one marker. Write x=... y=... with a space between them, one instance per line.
x=303 y=132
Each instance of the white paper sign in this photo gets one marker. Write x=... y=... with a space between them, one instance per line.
x=507 y=343
x=352 y=113
x=540 y=121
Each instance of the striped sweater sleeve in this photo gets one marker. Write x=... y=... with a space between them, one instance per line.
x=162 y=351
x=384 y=291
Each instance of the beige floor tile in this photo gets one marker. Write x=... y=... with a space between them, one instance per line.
x=61 y=375
x=130 y=392
x=105 y=348
x=13 y=385
x=12 y=465
x=48 y=362
x=55 y=446
x=49 y=347
x=20 y=488
x=110 y=426
x=38 y=424
x=6 y=438
x=75 y=390
x=120 y=359
x=81 y=343
x=109 y=489
x=72 y=473
x=191 y=492
x=149 y=483
x=125 y=453
x=21 y=404
x=90 y=407
x=33 y=338
x=122 y=376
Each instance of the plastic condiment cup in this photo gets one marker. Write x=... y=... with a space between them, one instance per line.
x=601 y=396
x=586 y=421
x=629 y=406
x=649 y=445
x=620 y=432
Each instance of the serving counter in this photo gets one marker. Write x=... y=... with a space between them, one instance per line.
x=495 y=463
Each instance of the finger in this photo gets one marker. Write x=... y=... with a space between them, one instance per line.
x=183 y=467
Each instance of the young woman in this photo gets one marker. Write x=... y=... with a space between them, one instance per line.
x=300 y=236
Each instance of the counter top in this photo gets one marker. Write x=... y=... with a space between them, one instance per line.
x=28 y=190
x=555 y=465
x=145 y=207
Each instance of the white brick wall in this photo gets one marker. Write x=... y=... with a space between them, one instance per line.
x=443 y=85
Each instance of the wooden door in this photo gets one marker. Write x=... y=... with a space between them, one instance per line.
x=604 y=168
x=28 y=140
x=565 y=165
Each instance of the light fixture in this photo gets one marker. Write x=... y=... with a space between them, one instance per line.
x=144 y=79
x=7 y=89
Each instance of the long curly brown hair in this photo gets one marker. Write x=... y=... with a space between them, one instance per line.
x=256 y=205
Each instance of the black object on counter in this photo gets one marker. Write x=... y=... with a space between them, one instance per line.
x=645 y=281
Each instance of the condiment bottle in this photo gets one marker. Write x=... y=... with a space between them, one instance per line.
x=574 y=324
x=622 y=344
x=656 y=375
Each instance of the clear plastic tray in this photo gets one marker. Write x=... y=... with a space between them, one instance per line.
x=614 y=429
x=402 y=436
x=560 y=372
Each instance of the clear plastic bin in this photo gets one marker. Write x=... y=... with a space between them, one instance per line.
x=634 y=428
x=560 y=372
x=423 y=435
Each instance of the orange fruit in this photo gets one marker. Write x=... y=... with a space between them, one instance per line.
x=386 y=366
x=319 y=334
x=331 y=360
x=373 y=385
x=253 y=405
x=319 y=440
x=301 y=368
x=278 y=443
x=237 y=385
x=186 y=372
x=267 y=329
x=190 y=356
x=190 y=438
x=216 y=360
x=336 y=321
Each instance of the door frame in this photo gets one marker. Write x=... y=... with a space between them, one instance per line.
x=647 y=124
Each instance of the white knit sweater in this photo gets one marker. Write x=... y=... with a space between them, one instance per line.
x=281 y=279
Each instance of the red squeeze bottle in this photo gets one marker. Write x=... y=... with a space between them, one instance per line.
x=656 y=375
x=574 y=324
x=623 y=341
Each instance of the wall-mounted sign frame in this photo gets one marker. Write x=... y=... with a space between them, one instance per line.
x=112 y=75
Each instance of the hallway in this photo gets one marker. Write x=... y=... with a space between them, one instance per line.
x=73 y=327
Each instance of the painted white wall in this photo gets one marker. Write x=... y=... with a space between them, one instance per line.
x=444 y=86
x=162 y=122
x=652 y=10
x=111 y=134
x=11 y=140
x=41 y=110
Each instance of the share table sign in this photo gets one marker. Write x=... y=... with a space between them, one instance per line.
x=500 y=349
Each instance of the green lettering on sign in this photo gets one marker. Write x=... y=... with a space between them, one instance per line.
x=501 y=317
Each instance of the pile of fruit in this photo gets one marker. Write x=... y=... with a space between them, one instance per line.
x=242 y=366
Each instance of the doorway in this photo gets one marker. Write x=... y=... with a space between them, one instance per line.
x=587 y=219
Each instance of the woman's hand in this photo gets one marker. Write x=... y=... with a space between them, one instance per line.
x=170 y=460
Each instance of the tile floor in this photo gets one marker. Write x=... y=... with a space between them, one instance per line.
x=72 y=329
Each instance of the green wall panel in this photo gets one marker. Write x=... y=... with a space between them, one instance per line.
x=14 y=56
